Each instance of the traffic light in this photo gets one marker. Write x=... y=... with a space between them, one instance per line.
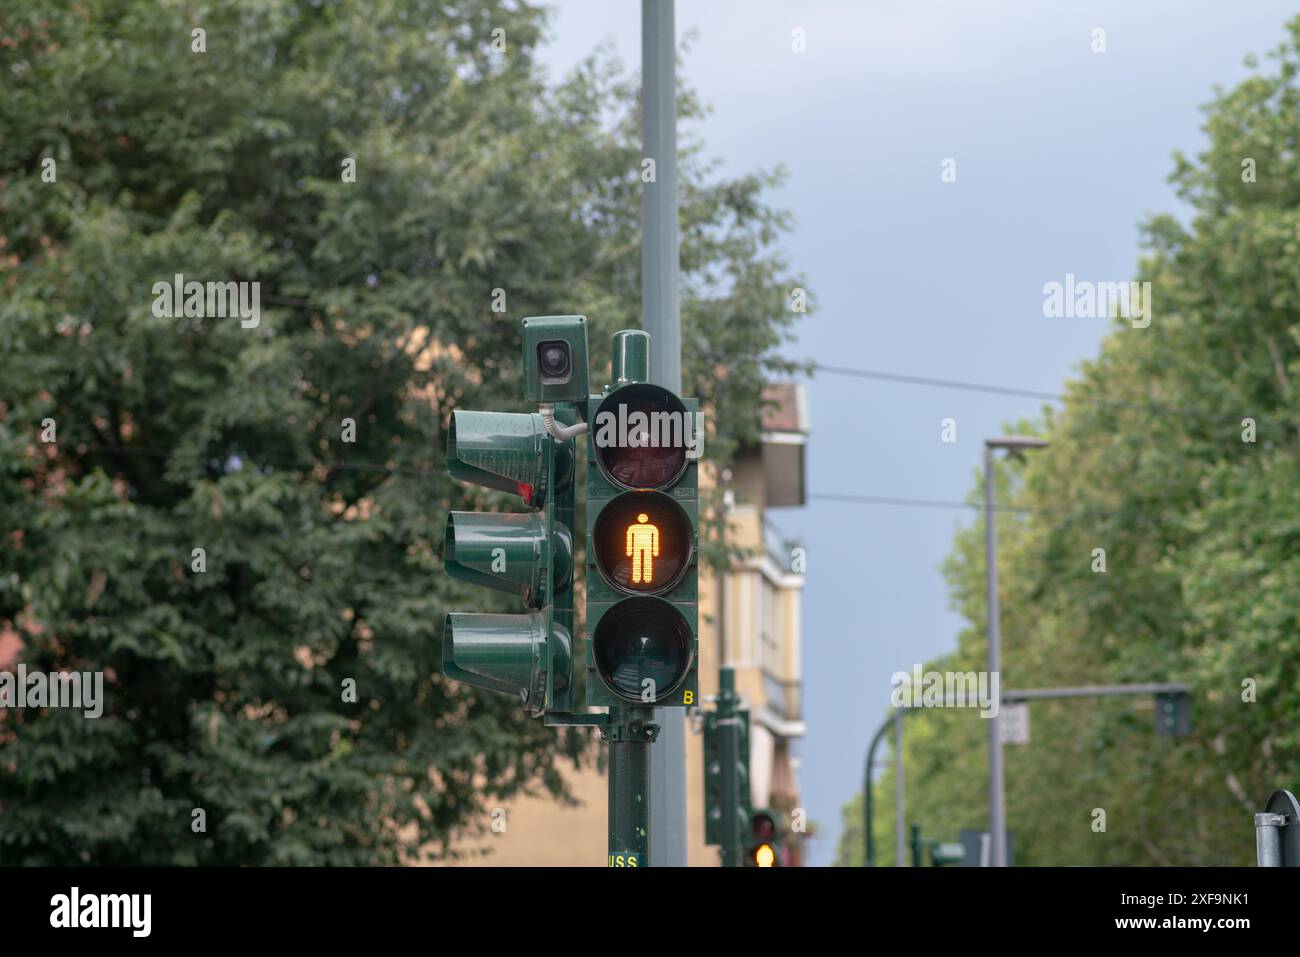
x=726 y=771
x=1173 y=714
x=716 y=785
x=764 y=848
x=529 y=655
x=642 y=519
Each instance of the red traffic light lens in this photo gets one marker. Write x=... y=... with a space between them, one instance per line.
x=641 y=434
x=642 y=542
x=642 y=645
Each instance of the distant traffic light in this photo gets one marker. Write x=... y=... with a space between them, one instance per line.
x=1173 y=714
x=642 y=518
x=765 y=841
x=726 y=772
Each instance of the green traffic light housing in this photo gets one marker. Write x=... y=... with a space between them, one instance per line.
x=642 y=538
x=529 y=656
x=526 y=656
x=726 y=772
x=508 y=451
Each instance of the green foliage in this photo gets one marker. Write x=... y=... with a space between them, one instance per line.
x=225 y=688
x=1200 y=529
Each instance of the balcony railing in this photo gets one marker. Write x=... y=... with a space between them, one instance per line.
x=779 y=548
x=784 y=696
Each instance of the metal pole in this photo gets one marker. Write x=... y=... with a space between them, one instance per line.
x=661 y=318
x=629 y=734
x=869 y=844
x=900 y=841
x=1268 y=839
x=997 y=805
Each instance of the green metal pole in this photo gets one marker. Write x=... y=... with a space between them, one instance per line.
x=629 y=734
x=869 y=858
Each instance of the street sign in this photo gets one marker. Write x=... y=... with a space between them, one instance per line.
x=1014 y=722
x=1173 y=714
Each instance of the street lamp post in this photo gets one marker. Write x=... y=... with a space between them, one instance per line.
x=1015 y=444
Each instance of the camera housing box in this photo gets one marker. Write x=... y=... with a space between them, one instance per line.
x=548 y=341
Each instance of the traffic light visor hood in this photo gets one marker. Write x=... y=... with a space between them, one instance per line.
x=508 y=552
x=504 y=450
x=507 y=653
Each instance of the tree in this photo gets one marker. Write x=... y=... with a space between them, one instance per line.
x=239 y=522
x=1176 y=452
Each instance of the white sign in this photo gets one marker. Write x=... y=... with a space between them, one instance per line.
x=1014 y=720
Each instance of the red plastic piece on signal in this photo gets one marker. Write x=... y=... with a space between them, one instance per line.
x=526 y=491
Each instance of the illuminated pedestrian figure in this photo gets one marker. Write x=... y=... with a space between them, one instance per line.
x=642 y=546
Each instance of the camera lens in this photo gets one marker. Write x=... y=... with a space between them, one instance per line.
x=553 y=361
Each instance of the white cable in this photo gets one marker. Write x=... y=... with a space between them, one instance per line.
x=561 y=432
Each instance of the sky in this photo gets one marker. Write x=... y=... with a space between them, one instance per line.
x=1060 y=154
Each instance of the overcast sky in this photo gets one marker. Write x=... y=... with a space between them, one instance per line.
x=1060 y=153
